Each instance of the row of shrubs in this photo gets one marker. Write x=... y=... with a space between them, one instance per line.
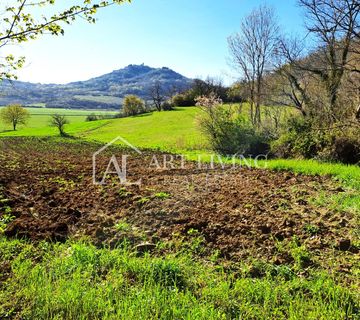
x=303 y=138
x=96 y=117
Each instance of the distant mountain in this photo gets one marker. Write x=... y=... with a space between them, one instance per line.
x=104 y=92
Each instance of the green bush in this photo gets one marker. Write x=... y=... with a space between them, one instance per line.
x=167 y=106
x=304 y=138
x=183 y=100
x=230 y=133
x=92 y=117
x=300 y=140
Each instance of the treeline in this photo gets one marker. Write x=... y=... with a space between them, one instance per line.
x=317 y=78
x=206 y=87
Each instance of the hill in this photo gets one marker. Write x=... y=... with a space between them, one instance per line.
x=103 y=92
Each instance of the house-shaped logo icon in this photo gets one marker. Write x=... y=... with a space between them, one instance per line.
x=113 y=163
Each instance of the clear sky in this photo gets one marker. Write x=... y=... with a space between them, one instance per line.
x=189 y=36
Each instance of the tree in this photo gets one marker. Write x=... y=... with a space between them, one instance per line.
x=252 y=51
x=157 y=95
x=133 y=105
x=18 y=24
x=185 y=99
x=288 y=85
x=334 y=26
x=201 y=88
x=14 y=115
x=344 y=14
x=319 y=78
x=209 y=86
x=59 y=121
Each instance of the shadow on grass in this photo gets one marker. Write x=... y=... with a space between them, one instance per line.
x=9 y=130
x=68 y=136
x=179 y=109
x=142 y=115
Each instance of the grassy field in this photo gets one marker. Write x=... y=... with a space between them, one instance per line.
x=38 y=124
x=175 y=130
x=167 y=130
x=79 y=281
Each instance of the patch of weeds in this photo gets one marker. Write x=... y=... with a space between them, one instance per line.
x=215 y=256
x=168 y=273
x=63 y=183
x=5 y=210
x=298 y=192
x=356 y=245
x=165 y=245
x=284 y=204
x=5 y=220
x=311 y=229
x=162 y=195
x=143 y=200
x=5 y=213
x=2 y=201
x=193 y=232
x=122 y=226
x=197 y=241
x=123 y=193
x=261 y=269
x=343 y=201
x=301 y=256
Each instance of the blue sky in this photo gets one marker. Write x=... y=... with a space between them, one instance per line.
x=189 y=36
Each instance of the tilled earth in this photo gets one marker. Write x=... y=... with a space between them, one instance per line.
x=240 y=212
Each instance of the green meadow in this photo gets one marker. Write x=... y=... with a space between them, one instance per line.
x=38 y=124
x=167 y=130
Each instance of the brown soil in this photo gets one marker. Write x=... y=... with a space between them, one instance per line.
x=240 y=212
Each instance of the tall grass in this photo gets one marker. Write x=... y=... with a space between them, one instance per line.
x=75 y=280
x=347 y=174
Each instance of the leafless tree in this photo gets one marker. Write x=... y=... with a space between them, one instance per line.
x=342 y=13
x=334 y=25
x=157 y=95
x=288 y=85
x=252 y=51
